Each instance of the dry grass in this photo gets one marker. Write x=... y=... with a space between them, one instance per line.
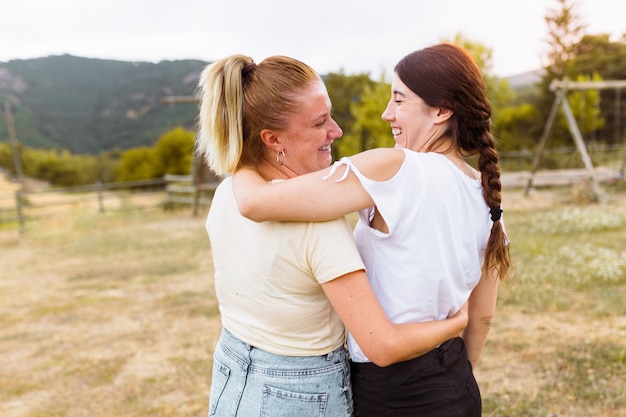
x=106 y=315
x=114 y=315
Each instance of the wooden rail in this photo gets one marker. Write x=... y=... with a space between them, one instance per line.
x=22 y=206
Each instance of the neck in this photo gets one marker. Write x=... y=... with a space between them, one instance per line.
x=269 y=169
x=445 y=146
x=458 y=160
x=442 y=145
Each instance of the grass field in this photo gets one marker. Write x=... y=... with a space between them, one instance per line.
x=114 y=314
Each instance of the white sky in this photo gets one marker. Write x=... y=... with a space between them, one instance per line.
x=330 y=35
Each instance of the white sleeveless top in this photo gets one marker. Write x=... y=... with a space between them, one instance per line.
x=425 y=268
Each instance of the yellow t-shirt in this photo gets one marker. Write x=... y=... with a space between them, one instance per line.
x=268 y=276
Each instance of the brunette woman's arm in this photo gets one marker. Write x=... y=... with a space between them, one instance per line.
x=481 y=310
x=382 y=341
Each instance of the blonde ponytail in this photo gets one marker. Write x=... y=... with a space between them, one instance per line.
x=220 y=124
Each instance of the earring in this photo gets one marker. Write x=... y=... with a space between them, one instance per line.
x=280 y=157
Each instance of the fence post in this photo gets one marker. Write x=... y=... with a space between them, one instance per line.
x=18 y=209
x=100 y=196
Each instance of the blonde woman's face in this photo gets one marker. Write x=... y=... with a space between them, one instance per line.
x=311 y=132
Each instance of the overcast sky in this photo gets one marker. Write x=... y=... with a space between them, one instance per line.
x=330 y=35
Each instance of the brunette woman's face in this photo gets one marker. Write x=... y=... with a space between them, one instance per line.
x=310 y=132
x=413 y=122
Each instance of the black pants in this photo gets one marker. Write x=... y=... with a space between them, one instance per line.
x=437 y=384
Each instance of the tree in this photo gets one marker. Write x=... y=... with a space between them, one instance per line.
x=6 y=157
x=58 y=167
x=585 y=105
x=138 y=164
x=107 y=165
x=565 y=29
x=369 y=129
x=172 y=154
x=344 y=91
x=596 y=54
x=174 y=151
x=514 y=127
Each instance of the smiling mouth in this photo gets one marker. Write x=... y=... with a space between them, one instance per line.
x=396 y=132
x=325 y=148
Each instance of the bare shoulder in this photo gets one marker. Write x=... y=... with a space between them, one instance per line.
x=379 y=164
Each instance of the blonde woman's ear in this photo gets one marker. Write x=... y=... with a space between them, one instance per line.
x=271 y=139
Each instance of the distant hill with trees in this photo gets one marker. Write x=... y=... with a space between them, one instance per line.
x=88 y=106
x=79 y=120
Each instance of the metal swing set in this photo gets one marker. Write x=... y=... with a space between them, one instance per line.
x=561 y=88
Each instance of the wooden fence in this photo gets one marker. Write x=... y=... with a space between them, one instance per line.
x=23 y=206
x=16 y=209
x=181 y=190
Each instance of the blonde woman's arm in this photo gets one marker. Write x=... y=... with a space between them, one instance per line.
x=310 y=197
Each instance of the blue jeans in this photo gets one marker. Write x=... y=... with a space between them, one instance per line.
x=248 y=381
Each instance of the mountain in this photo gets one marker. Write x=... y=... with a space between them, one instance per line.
x=526 y=78
x=89 y=105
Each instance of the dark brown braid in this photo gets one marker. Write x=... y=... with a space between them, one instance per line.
x=446 y=75
x=497 y=254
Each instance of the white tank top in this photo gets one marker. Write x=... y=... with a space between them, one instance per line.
x=425 y=268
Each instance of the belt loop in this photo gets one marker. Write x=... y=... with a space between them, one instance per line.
x=440 y=354
x=443 y=351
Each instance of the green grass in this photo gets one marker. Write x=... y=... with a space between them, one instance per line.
x=115 y=314
x=561 y=328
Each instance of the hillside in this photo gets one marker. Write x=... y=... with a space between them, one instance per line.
x=92 y=105
x=525 y=79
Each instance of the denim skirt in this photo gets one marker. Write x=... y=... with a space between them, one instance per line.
x=247 y=381
x=438 y=384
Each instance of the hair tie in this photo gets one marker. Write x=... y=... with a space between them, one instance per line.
x=248 y=68
x=496 y=213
